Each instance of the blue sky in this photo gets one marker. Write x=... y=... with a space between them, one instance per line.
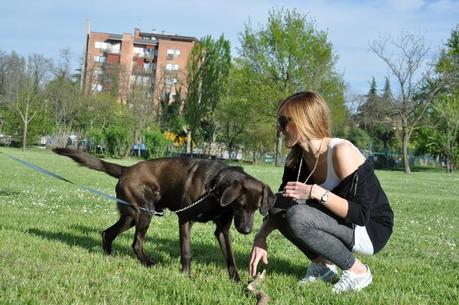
x=46 y=26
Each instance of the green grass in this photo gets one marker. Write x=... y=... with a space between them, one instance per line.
x=50 y=246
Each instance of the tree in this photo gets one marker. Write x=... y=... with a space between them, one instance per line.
x=440 y=136
x=208 y=69
x=405 y=56
x=63 y=94
x=170 y=91
x=446 y=111
x=387 y=95
x=140 y=107
x=26 y=92
x=370 y=108
x=375 y=115
x=287 y=55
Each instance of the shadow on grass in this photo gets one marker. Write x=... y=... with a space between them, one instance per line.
x=203 y=253
x=4 y=192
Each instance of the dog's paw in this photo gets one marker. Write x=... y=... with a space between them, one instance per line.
x=235 y=276
x=148 y=263
x=106 y=246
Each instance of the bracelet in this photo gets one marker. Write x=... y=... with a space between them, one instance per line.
x=310 y=191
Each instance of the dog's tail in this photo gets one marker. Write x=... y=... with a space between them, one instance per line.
x=90 y=161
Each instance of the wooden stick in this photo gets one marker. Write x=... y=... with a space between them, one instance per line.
x=262 y=297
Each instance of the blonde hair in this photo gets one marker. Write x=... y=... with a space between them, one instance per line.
x=311 y=116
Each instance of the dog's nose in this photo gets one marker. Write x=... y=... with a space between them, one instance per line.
x=244 y=230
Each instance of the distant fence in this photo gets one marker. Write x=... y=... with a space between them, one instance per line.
x=393 y=160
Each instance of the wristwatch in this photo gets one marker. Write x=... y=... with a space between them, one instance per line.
x=324 y=197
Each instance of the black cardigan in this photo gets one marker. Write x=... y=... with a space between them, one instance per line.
x=368 y=204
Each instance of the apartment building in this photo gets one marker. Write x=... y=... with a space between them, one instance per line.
x=123 y=61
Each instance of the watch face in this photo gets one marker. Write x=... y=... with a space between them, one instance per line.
x=324 y=197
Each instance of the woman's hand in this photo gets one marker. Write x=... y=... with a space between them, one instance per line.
x=297 y=190
x=259 y=251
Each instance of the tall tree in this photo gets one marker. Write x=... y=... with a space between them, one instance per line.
x=387 y=95
x=63 y=94
x=369 y=109
x=286 y=55
x=208 y=69
x=406 y=57
x=27 y=98
x=141 y=109
x=440 y=136
x=375 y=115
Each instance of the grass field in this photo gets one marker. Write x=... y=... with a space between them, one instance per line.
x=50 y=249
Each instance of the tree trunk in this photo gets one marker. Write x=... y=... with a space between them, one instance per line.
x=278 y=149
x=189 y=148
x=26 y=126
x=24 y=136
x=449 y=164
x=406 y=141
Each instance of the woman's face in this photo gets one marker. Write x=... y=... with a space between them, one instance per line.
x=288 y=129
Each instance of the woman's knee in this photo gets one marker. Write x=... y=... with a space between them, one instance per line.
x=299 y=217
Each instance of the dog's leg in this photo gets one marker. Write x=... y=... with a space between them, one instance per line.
x=140 y=231
x=185 y=246
x=222 y=233
x=124 y=223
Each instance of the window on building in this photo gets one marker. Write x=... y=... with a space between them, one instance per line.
x=116 y=48
x=177 y=53
x=170 y=54
x=169 y=67
x=169 y=81
x=138 y=50
x=100 y=59
x=176 y=67
x=150 y=52
x=98 y=72
x=96 y=87
x=101 y=45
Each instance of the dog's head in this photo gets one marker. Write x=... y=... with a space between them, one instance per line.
x=245 y=194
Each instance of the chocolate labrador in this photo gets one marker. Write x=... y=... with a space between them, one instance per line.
x=195 y=189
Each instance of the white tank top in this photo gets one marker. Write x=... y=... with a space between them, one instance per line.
x=332 y=179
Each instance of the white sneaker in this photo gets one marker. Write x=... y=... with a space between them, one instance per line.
x=319 y=271
x=350 y=281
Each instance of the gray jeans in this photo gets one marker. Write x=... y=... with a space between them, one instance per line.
x=317 y=232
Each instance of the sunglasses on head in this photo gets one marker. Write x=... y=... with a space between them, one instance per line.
x=282 y=121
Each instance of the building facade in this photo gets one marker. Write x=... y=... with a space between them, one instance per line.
x=121 y=62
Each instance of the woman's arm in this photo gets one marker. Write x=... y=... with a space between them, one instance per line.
x=346 y=160
x=260 y=247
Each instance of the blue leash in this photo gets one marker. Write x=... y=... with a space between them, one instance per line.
x=91 y=190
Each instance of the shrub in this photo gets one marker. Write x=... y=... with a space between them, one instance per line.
x=157 y=144
x=118 y=140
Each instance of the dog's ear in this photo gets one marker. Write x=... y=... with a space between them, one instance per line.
x=231 y=193
x=268 y=200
